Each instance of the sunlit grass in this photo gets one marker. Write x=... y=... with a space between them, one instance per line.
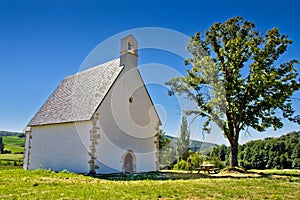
x=12 y=157
x=42 y=184
x=13 y=143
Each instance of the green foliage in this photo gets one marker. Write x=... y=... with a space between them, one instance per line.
x=11 y=163
x=279 y=153
x=197 y=160
x=221 y=152
x=183 y=142
x=181 y=165
x=236 y=80
x=1 y=145
x=167 y=155
x=163 y=140
x=217 y=162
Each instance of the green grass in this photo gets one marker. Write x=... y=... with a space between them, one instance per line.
x=13 y=143
x=10 y=167
x=13 y=140
x=11 y=157
x=41 y=184
x=14 y=149
x=285 y=172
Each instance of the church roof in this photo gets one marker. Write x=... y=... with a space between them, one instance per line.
x=78 y=96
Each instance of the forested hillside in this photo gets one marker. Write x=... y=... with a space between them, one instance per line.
x=7 y=133
x=280 y=153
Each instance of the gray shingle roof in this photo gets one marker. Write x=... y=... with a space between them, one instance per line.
x=78 y=96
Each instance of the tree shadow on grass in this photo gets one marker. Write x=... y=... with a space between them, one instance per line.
x=174 y=175
x=280 y=174
x=291 y=177
x=151 y=176
x=178 y=175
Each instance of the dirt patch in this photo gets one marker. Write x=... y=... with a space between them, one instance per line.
x=238 y=170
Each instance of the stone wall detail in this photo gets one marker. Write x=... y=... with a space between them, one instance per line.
x=94 y=137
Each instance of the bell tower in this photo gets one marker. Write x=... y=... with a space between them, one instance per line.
x=129 y=52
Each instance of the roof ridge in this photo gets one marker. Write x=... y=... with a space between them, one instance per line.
x=92 y=68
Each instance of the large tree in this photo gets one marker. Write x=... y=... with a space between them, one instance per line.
x=236 y=80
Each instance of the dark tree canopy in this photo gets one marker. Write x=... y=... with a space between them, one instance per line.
x=270 y=153
x=236 y=80
x=162 y=140
x=1 y=145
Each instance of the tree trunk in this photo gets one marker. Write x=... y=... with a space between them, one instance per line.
x=234 y=154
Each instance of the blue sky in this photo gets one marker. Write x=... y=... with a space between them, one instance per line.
x=41 y=42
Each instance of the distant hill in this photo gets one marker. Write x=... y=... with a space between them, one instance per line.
x=195 y=145
x=8 y=133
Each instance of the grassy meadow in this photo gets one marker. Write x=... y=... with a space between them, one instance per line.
x=16 y=183
x=14 y=144
x=45 y=184
x=11 y=159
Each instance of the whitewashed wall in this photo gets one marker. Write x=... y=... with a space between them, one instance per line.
x=59 y=147
x=127 y=126
x=124 y=126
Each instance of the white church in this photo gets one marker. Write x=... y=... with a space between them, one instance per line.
x=98 y=121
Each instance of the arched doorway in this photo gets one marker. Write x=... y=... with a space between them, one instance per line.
x=128 y=162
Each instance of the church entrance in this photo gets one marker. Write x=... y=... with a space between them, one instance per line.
x=129 y=163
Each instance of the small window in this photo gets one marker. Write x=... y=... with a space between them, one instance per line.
x=129 y=46
x=130 y=100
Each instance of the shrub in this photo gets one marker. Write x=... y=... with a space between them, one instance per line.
x=296 y=163
x=196 y=159
x=7 y=151
x=181 y=165
x=217 y=162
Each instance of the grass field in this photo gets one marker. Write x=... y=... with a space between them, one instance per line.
x=13 y=143
x=42 y=184
x=282 y=172
x=16 y=146
x=9 y=167
x=11 y=157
